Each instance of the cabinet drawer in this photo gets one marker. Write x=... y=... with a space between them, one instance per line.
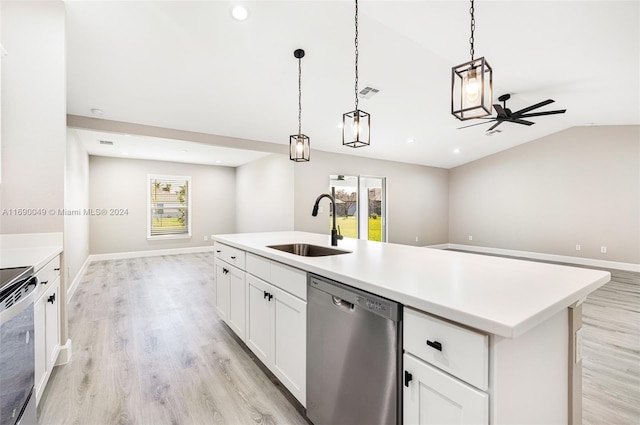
x=290 y=279
x=49 y=272
x=259 y=266
x=230 y=255
x=459 y=351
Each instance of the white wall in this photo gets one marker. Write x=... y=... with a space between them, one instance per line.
x=417 y=196
x=33 y=114
x=264 y=195
x=122 y=183
x=578 y=186
x=76 y=197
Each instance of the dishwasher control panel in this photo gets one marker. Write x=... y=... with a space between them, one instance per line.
x=373 y=304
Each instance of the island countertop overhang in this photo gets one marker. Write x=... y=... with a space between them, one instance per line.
x=500 y=296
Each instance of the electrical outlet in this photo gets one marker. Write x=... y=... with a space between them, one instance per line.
x=603 y=249
x=206 y=238
x=578 y=248
x=470 y=237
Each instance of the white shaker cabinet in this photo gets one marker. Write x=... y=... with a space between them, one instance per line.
x=431 y=397
x=276 y=333
x=46 y=324
x=230 y=287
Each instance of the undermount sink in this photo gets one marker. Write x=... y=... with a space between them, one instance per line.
x=307 y=250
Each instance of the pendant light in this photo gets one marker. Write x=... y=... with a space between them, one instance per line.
x=471 y=84
x=357 y=123
x=299 y=147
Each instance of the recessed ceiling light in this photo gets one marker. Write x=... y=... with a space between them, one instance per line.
x=240 y=13
x=410 y=140
x=97 y=112
x=456 y=151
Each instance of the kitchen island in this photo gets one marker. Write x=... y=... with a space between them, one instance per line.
x=525 y=317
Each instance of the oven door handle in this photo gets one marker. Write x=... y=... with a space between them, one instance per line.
x=18 y=307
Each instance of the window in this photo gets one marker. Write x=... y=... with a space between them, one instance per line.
x=169 y=207
x=358 y=197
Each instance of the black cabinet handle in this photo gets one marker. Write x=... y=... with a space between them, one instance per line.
x=218 y=251
x=44 y=282
x=435 y=344
x=270 y=297
x=52 y=298
x=57 y=270
x=407 y=378
x=266 y=294
x=233 y=258
x=225 y=271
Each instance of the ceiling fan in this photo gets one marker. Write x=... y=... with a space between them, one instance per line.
x=505 y=114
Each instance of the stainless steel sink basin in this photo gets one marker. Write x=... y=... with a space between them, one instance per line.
x=307 y=250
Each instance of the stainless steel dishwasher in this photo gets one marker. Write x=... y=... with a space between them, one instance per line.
x=353 y=355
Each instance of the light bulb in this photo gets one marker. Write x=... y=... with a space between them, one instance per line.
x=356 y=127
x=472 y=85
x=299 y=145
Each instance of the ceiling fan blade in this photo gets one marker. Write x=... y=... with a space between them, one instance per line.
x=532 y=107
x=494 y=126
x=473 y=125
x=539 y=114
x=524 y=122
x=500 y=110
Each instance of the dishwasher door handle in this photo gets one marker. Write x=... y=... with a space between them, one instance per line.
x=339 y=302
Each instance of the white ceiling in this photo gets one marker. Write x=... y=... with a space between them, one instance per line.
x=191 y=66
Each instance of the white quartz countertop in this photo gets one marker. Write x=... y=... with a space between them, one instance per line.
x=500 y=296
x=36 y=257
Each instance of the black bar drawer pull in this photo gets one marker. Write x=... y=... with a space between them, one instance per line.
x=266 y=294
x=407 y=378
x=233 y=257
x=435 y=344
x=52 y=298
x=57 y=270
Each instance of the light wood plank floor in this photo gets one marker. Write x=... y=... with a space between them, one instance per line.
x=148 y=348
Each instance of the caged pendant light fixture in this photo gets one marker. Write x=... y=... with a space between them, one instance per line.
x=471 y=84
x=299 y=148
x=357 y=123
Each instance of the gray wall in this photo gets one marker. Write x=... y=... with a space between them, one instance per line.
x=264 y=195
x=578 y=186
x=122 y=183
x=76 y=197
x=417 y=196
x=33 y=114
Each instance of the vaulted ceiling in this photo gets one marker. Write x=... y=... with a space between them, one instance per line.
x=191 y=66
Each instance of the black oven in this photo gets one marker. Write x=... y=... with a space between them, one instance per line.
x=18 y=290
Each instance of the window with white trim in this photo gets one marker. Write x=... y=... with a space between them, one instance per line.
x=168 y=207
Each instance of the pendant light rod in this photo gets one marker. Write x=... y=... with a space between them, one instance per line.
x=473 y=29
x=356 y=124
x=299 y=54
x=356 y=49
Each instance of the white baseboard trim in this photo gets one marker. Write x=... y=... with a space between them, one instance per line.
x=150 y=253
x=64 y=355
x=74 y=285
x=631 y=267
x=441 y=246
